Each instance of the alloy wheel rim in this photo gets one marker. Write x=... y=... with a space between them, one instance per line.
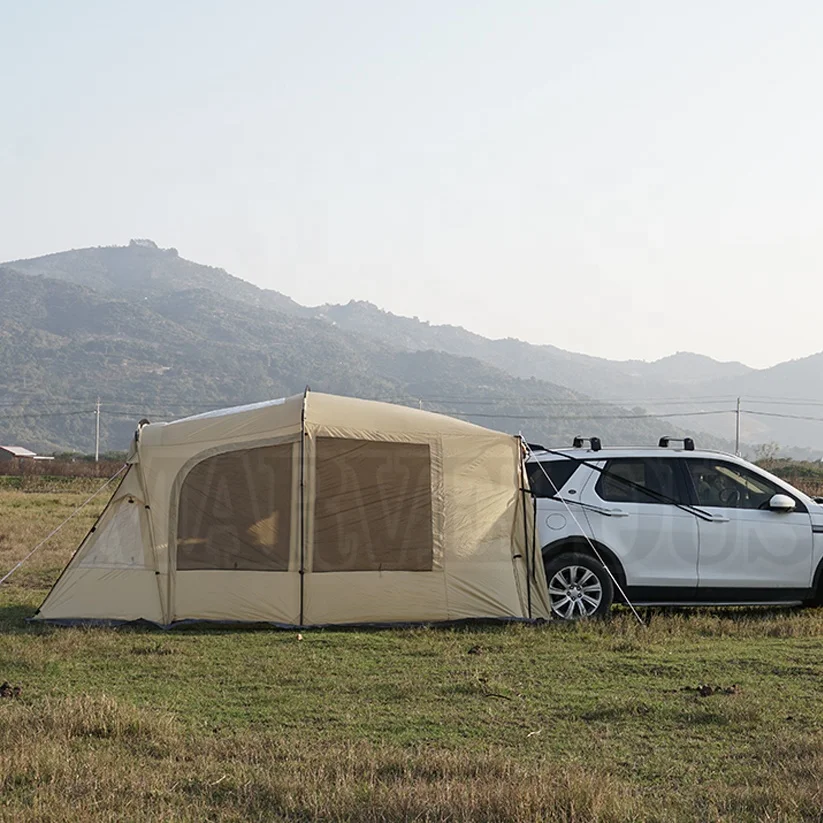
x=575 y=591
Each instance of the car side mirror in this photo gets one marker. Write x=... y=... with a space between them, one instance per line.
x=781 y=503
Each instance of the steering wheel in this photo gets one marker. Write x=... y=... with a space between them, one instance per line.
x=729 y=497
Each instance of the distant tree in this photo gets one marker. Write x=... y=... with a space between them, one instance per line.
x=765 y=454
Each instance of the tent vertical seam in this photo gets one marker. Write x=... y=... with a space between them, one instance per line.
x=302 y=506
x=534 y=543
x=147 y=511
x=438 y=461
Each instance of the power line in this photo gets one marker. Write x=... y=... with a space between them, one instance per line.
x=782 y=399
x=784 y=416
x=598 y=402
x=18 y=405
x=589 y=416
x=124 y=411
x=5 y=417
x=783 y=402
x=455 y=399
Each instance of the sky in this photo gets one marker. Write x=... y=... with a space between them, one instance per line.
x=625 y=179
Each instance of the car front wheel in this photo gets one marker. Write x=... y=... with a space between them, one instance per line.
x=579 y=586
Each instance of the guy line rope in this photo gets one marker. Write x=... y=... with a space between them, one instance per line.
x=70 y=517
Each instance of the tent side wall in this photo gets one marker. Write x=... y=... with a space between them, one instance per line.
x=179 y=453
x=112 y=575
x=362 y=486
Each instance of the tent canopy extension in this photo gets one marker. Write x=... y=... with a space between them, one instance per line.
x=310 y=510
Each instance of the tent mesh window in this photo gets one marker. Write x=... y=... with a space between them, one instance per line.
x=373 y=506
x=235 y=512
x=118 y=539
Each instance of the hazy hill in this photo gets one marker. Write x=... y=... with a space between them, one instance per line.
x=607 y=379
x=796 y=381
x=165 y=317
x=164 y=354
x=685 y=367
x=592 y=375
x=677 y=378
x=142 y=268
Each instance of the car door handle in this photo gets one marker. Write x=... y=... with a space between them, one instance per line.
x=719 y=518
x=617 y=513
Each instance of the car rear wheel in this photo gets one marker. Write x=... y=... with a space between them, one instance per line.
x=817 y=598
x=579 y=586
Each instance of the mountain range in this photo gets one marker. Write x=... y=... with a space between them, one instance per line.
x=154 y=335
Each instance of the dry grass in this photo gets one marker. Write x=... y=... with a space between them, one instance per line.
x=30 y=511
x=812 y=489
x=90 y=758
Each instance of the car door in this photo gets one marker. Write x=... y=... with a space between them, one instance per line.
x=746 y=545
x=656 y=541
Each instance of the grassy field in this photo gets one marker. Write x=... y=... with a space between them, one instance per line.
x=595 y=722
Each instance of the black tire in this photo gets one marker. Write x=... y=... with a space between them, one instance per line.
x=573 y=590
x=816 y=600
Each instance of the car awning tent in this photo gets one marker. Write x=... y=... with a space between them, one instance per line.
x=311 y=510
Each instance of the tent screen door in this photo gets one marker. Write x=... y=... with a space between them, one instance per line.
x=235 y=511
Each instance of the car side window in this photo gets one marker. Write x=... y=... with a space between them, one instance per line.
x=727 y=485
x=638 y=480
x=548 y=477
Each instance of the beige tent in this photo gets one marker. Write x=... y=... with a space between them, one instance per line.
x=306 y=511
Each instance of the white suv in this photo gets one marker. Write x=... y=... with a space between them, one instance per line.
x=673 y=526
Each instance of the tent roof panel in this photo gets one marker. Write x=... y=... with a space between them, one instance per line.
x=214 y=413
x=283 y=416
x=272 y=418
x=333 y=412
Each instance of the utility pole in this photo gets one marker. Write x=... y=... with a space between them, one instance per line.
x=737 y=430
x=97 y=434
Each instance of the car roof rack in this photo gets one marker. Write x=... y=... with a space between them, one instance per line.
x=688 y=442
x=594 y=443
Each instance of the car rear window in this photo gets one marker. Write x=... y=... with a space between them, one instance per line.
x=558 y=471
x=637 y=480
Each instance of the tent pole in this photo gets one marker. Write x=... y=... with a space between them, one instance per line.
x=302 y=523
x=522 y=484
x=534 y=541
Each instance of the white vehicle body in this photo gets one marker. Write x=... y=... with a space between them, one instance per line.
x=680 y=526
